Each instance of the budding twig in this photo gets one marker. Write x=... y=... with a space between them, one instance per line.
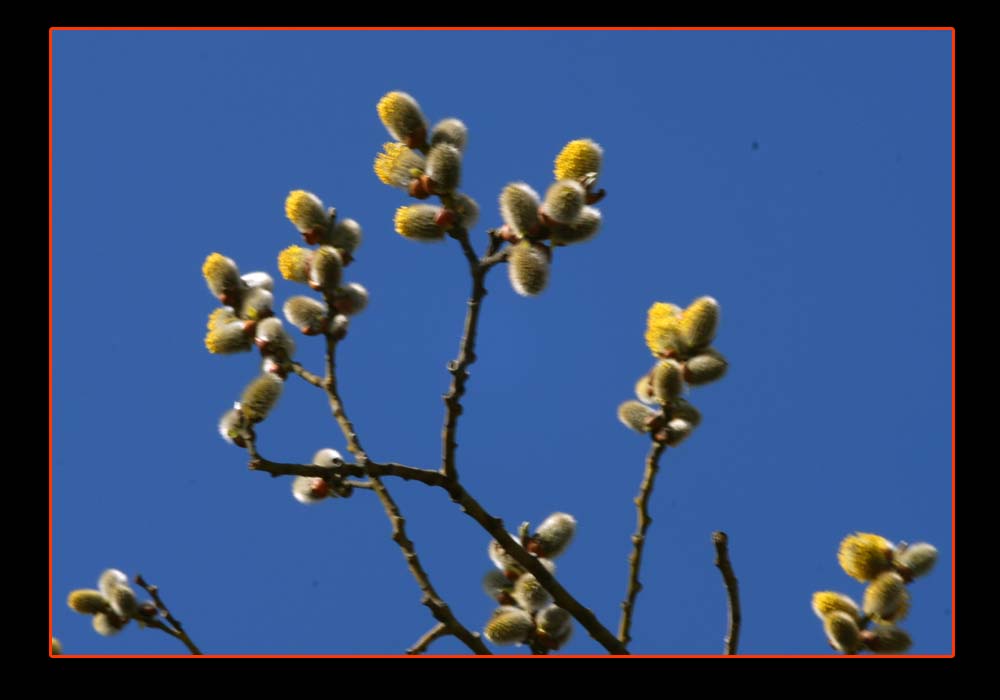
x=639 y=539
x=175 y=628
x=721 y=541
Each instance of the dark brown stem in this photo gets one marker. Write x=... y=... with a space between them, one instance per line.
x=467 y=351
x=439 y=609
x=639 y=539
x=175 y=629
x=721 y=541
x=436 y=632
x=471 y=507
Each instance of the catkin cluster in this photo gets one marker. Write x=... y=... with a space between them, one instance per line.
x=112 y=605
x=423 y=164
x=887 y=568
x=681 y=340
x=535 y=226
x=247 y=317
x=526 y=614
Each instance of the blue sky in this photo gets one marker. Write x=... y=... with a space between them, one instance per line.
x=828 y=245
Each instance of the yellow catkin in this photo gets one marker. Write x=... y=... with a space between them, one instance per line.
x=577 y=159
x=864 y=556
x=663 y=329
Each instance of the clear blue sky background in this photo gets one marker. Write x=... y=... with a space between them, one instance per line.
x=829 y=248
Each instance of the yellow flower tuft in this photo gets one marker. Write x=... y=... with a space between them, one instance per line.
x=220 y=317
x=578 y=158
x=397 y=165
x=402 y=117
x=293 y=263
x=419 y=222
x=509 y=625
x=222 y=276
x=864 y=556
x=663 y=334
x=228 y=338
x=827 y=602
x=305 y=210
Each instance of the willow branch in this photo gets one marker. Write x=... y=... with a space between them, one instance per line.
x=337 y=405
x=175 y=629
x=721 y=541
x=639 y=539
x=436 y=632
x=438 y=608
x=313 y=379
x=471 y=507
x=467 y=350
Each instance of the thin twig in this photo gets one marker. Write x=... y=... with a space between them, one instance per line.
x=176 y=629
x=439 y=609
x=721 y=541
x=471 y=507
x=437 y=631
x=639 y=539
x=313 y=379
x=467 y=351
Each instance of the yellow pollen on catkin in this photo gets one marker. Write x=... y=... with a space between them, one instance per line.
x=578 y=158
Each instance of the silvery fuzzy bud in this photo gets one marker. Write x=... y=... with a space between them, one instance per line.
x=529 y=594
x=519 y=205
x=916 y=560
x=554 y=621
x=636 y=416
x=108 y=625
x=528 y=266
x=310 y=489
x=109 y=580
x=501 y=559
x=584 y=227
x=88 y=601
x=338 y=326
x=887 y=639
x=466 y=210
x=325 y=269
x=644 y=389
x=231 y=427
x=497 y=586
x=444 y=167
x=667 y=381
x=553 y=535
x=306 y=314
x=221 y=316
x=256 y=304
x=678 y=431
x=842 y=632
x=452 y=131
x=705 y=367
x=347 y=235
x=350 y=299
x=258 y=279
x=271 y=337
x=886 y=598
x=684 y=410
x=327 y=457
x=306 y=212
x=564 y=201
x=123 y=601
x=699 y=322
x=509 y=625
x=260 y=396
